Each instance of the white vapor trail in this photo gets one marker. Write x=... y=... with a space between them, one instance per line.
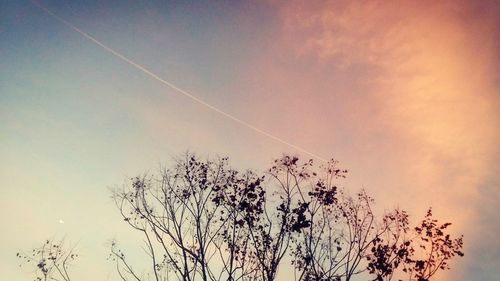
x=172 y=86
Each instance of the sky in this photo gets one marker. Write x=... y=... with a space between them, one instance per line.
x=405 y=94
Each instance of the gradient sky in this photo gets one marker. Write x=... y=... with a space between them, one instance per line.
x=404 y=94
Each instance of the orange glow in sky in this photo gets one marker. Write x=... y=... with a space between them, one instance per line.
x=405 y=94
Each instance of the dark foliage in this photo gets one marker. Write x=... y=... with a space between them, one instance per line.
x=51 y=260
x=203 y=220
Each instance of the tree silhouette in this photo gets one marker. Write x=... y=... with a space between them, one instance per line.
x=203 y=220
x=51 y=260
x=194 y=219
x=242 y=225
x=434 y=249
x=333 y=232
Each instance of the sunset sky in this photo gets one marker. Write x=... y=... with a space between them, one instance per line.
x=405 y=94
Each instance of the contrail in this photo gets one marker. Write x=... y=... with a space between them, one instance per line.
x=172 y=86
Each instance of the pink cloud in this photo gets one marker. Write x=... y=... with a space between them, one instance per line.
x=404 y=92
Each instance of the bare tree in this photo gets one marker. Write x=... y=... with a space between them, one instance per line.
x=310 y=196
x=431 y=249
x=241 y=204
x=331 y=232
x=192 y=218
x=276 y=217
x=203 y=220
x=419 y=252
x=335 y=236
x=391 y=249
x=51 y=260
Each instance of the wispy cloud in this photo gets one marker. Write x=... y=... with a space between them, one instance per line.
x=433 y=81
